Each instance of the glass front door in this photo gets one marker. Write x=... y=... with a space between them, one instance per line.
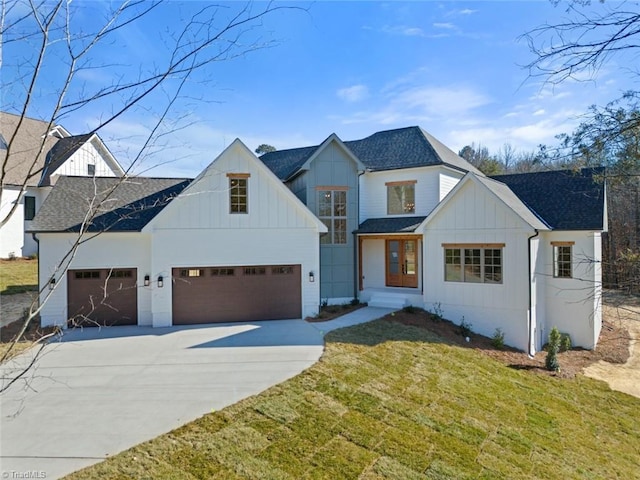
x=402 y=263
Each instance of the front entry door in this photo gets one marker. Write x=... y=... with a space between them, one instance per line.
x=402 y=263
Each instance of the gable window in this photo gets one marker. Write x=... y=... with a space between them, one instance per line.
x=332 y=211
x=91 y=169
x=471 y=263
x=238 y=192
x=401 y=197
x=562 y=253
x=29 y=207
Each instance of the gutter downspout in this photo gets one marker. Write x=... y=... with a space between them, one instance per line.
x=530 y=319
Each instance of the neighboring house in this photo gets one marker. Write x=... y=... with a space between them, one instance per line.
x=37 y=154
x=233 y=244
x=394 y=219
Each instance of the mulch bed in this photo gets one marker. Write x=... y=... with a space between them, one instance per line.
x=34 y=331
x=613 y=345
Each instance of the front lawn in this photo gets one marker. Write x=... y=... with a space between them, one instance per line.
x=395 y=401
x=18 y=276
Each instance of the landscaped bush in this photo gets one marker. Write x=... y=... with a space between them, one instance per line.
x=465 y=328
x=498 y=339
x=551 y=362
x=565 y=342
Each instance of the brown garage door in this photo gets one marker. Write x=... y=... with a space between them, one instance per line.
x=102 y=297
x=233 y=294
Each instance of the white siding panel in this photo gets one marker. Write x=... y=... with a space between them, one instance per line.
x=373 y=263
x=373 y=191
x=12 y=233
x=573 y=304
x=104 y=251
x=448 y=180
x=85 y=155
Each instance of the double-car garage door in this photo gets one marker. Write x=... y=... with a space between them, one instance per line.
x=231 y=294
x=200 y=295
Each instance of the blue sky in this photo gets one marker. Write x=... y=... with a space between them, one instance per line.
x=353 y=68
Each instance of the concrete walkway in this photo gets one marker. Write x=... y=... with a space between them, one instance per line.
x=100 y=391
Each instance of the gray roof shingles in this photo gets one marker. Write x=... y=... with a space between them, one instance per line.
x=25 y=162
x=118 y=205
x=390 y=225
x=564 y=199
x=387 y=150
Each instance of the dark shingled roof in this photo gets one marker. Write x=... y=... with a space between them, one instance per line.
x=564 y=199
x=121 y=207
x=387 y=150
x=60 y=153
x=390 y=225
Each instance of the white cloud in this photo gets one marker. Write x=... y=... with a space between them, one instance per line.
x=539 y=112
x=447 y=26
x=354 y=93
x=403 y=30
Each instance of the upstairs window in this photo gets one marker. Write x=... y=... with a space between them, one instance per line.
x=91 y=169
x=401 y=198
x=562 y=254
x=238 y=192
x=29 y=207
x=332 y=211
x=473 y=263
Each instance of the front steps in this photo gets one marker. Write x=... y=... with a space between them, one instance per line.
x=388 y=300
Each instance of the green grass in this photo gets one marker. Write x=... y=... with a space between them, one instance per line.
x=387 y=401
x=18 y=276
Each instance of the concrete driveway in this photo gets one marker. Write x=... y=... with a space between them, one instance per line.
x=100 y=391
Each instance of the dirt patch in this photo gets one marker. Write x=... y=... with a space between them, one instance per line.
x=613 y=345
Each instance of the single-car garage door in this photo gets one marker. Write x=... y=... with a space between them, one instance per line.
x=102 y=297
x=233 y=294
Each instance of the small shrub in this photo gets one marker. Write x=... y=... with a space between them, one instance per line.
x=437 y=313
x=409 y=309
x=551 y=362
x=12 y=256
x=355 y=302
x=33 y=256
x=498 y=339
x=565 y=342
x=465 y=328
x=324 y=302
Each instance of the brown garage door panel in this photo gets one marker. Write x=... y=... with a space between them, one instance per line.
x=229 y=294
x=102 y=297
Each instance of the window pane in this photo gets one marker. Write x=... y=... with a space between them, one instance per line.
x=29 y=207
x=409 y=199
x=340 y=231
x=238 y=195
x=472 y=265
x=453 y=266
x=493 y=265
x=394 y=200
x=324 y=204
x=340 y=204
x=562 y=261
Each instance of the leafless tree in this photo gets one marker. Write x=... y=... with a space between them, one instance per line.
x=63 y=47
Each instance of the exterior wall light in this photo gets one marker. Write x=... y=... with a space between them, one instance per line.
x=312 y=277
x=52 y=284
x=160 y=282
x=147 y=280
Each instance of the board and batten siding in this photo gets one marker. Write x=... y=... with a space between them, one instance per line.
x=574 y=305
x=77 y=164
x=475 y=216
x=198 y=230
x=332 y=167
x=107 y=250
